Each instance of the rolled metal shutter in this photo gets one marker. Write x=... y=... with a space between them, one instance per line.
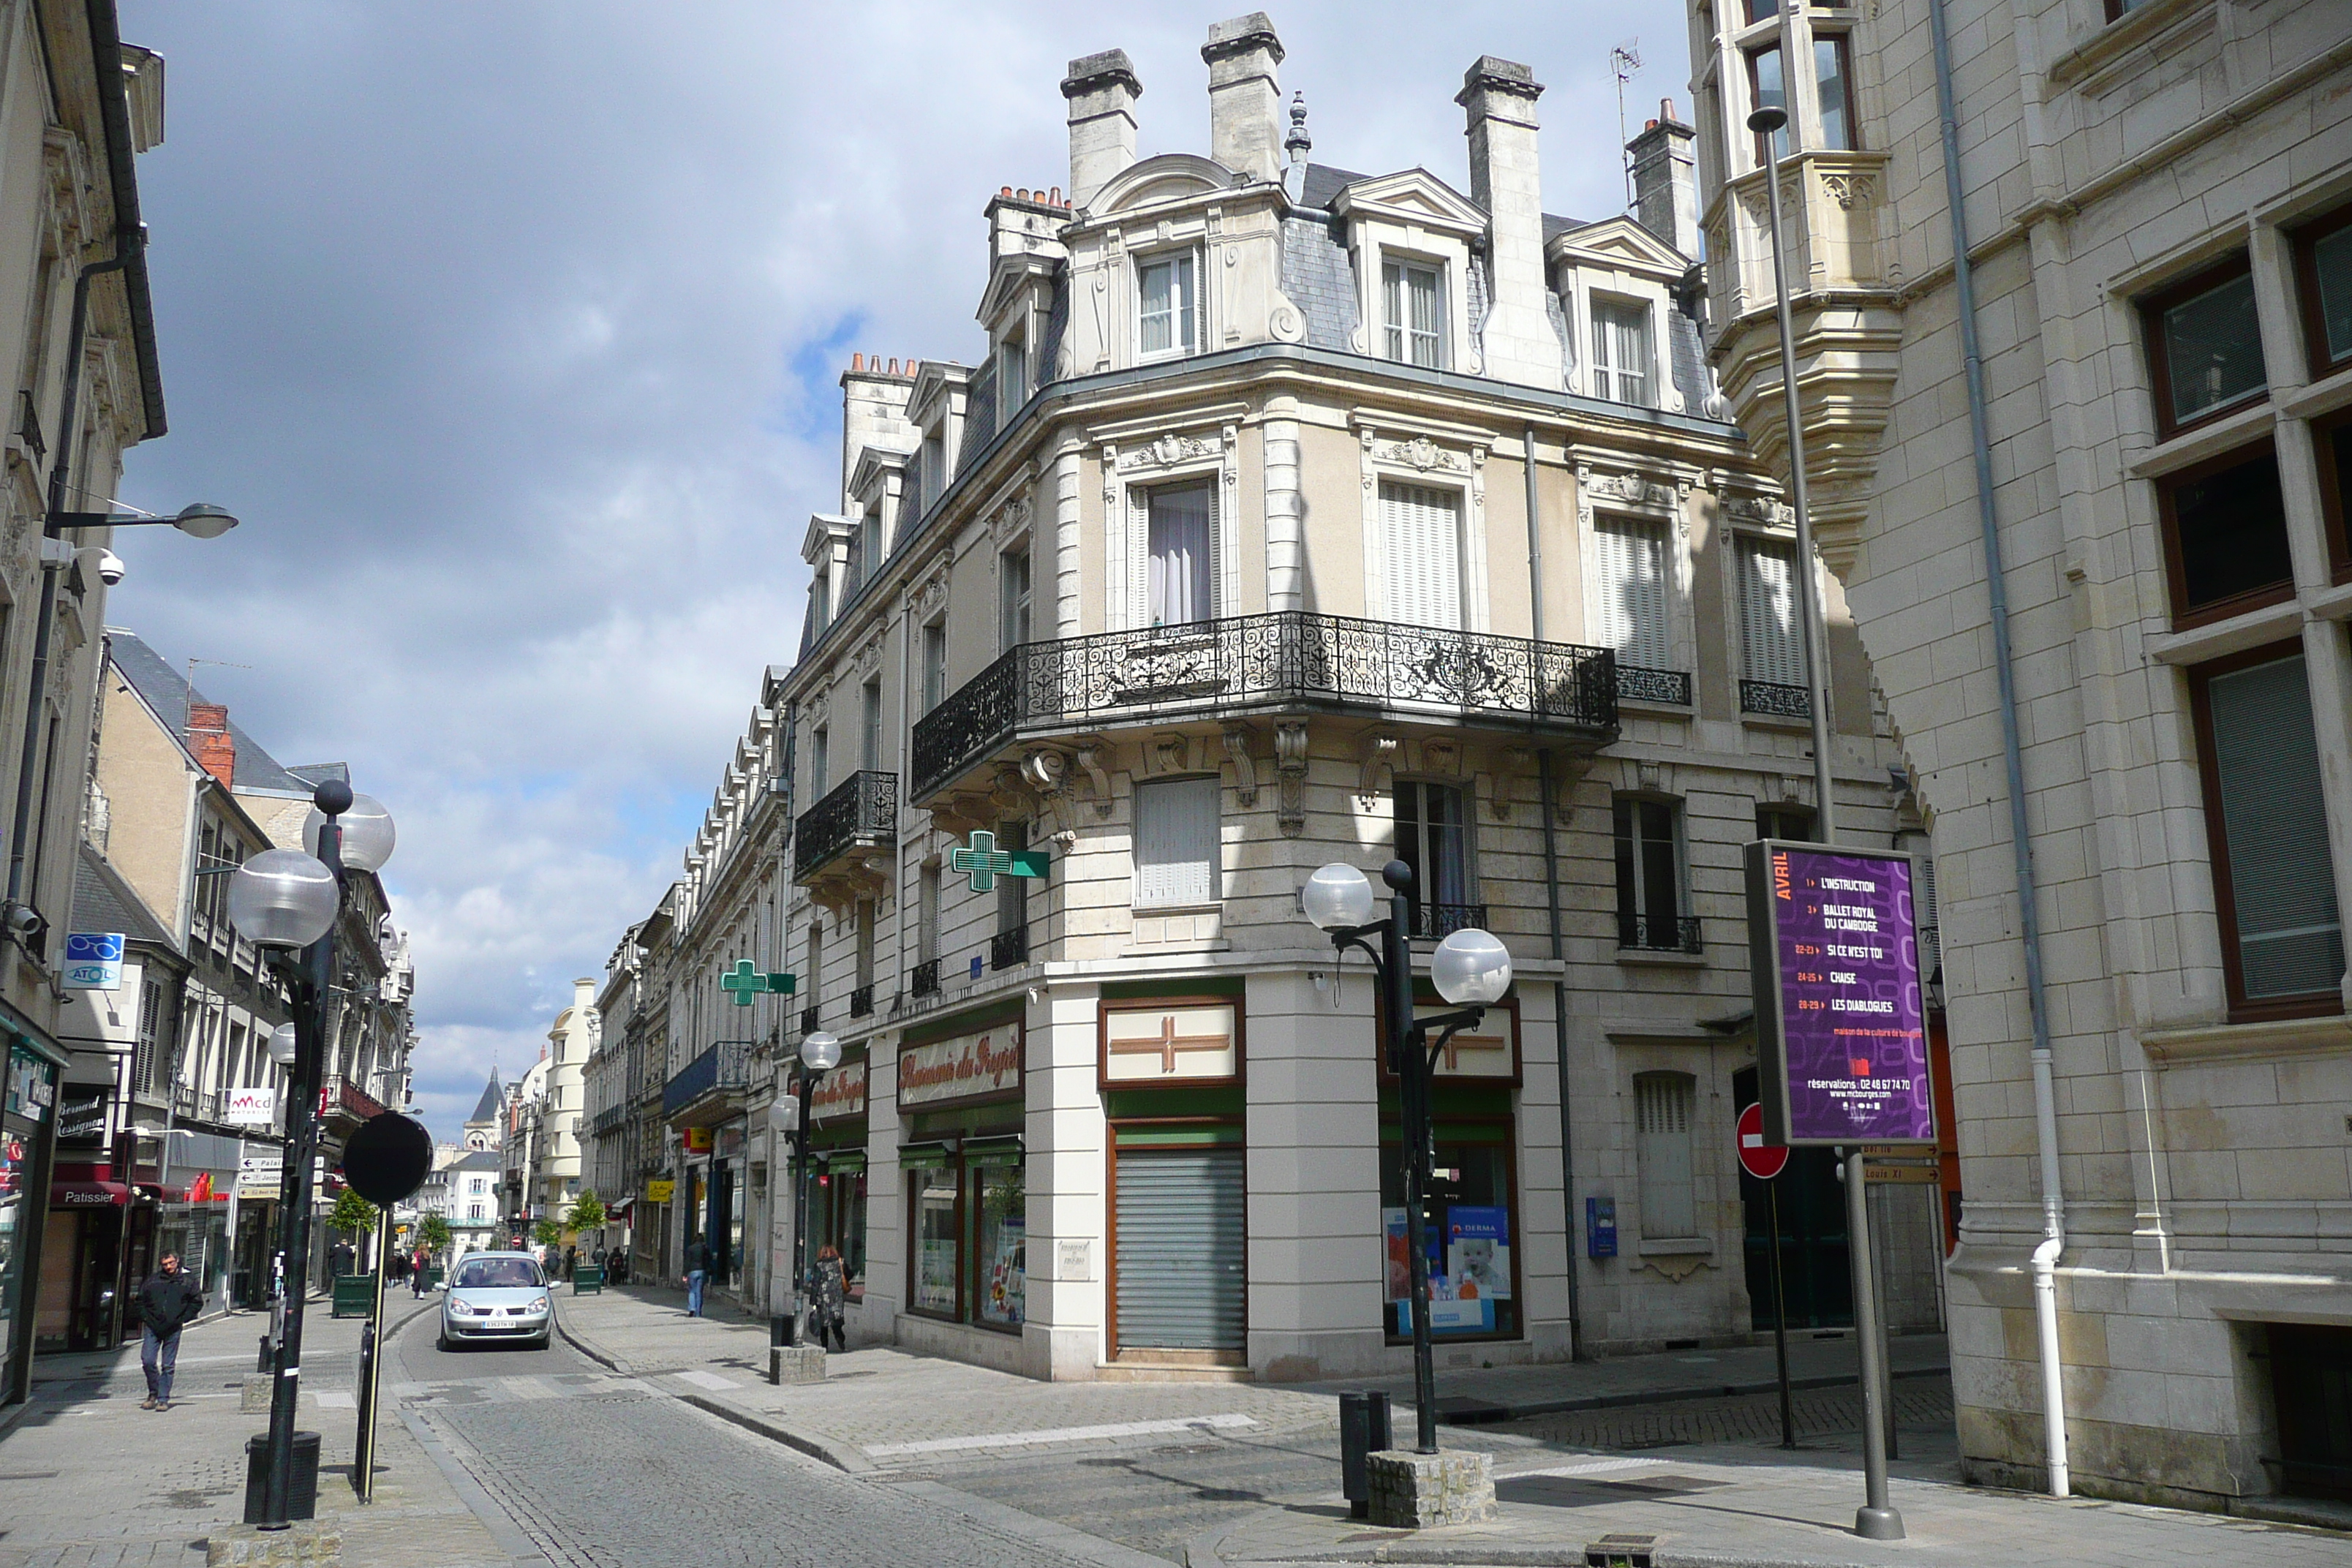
x=1183 y=1252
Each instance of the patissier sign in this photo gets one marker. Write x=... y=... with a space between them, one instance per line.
x=1841 y=1018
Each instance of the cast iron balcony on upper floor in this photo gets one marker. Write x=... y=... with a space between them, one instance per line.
x=860 y=814
x=702 y=1088
x=1284 y=660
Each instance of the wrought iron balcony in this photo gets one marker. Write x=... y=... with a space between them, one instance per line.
x=1659 y=933
x=1775 y=700
x=725 y=1066
x=1435 y=923
x=861 y=1002
x=1638 y=684
x=1279 y=660
x=861 y=813
x=808 y=1019
x=927 y=978
x=1009 y=949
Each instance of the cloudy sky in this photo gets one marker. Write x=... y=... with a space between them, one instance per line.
x=512 y=330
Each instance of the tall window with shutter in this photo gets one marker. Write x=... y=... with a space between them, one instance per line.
x=1176 y=855
x=1179 y=525
x=1413 y=300
x=1661 y=1109
x=935 y=664
x=1620 y=350
x=1649 y=898
x=1633 y=591
x=869 y=728
x=2273 y=874
x=1012 y=601
x=1772 y=640
x=1421 y=537
x=1164 y=314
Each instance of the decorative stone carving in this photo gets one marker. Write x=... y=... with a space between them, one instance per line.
x=870 y=654
x=1170 y=450
x=1045 y=770
x=1237 y=747
x=931 y=593
x=1517 y=762
x=1440 y=755
x=1380 y=757
x=1761 y=511
x=1420 y=453
x=1847 y=189
x=1290 y=769
x=1169 y=753
x=1010 y=521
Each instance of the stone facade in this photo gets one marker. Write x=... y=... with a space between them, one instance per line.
x=2121 y=171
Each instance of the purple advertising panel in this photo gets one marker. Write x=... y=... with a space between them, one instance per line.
x=1841 y=1018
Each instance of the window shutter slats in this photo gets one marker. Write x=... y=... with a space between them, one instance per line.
x=1423 y=538
x=1176 y=849
x=1662 y=1153
x=1772 y=644
x=1633 y=591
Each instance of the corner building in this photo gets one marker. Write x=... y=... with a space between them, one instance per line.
x=1290 y=515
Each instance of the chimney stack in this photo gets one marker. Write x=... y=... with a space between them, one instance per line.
x=1665 y=181
x=210 y=744
x=1245 y=99
x=1499 y=96
x=1102 y=89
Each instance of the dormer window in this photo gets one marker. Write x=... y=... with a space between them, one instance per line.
x=1621 y=352
x=1412 y=297
x=1165 y=312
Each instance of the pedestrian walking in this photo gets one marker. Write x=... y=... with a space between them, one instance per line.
x=600 y=1260
x=572 y=1261
x=696 y=1257
x=419 y=1267
x=168 y=1301
x=832 y=1293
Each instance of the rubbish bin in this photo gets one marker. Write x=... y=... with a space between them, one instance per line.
x=783 y=1330
x=301 y=1492
x=1364 y=1431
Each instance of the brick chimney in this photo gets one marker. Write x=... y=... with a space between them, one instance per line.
x=1499 y=98
x=1102 y=89
x=1245 y=99
x=1665 y=180
x=209 y=741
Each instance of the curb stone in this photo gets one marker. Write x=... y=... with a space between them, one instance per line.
x=590 y=1349
x=840 y=1456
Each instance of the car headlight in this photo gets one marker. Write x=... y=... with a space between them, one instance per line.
x=462 y=1309
x=538 y=1306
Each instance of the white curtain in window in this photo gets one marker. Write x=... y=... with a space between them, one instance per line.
x=2282 y=876
x=1183 y=545
x=1412 y=307
x=1422 y=538
x=1772 y=644
x=1662 y=1105
x=1634 y=590
x=1176 y=858
x=1166 y=317
x=1621 y=352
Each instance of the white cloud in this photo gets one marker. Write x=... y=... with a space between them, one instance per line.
x=512 y=332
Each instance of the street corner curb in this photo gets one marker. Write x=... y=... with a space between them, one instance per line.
x=1201 y=1551
x=590 y=1349
x=840 y=1456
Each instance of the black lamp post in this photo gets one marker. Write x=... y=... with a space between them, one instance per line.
x=1470 y=967
x=820 y=1054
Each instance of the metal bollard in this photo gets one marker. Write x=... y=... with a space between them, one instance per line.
x=782 y=1331
x=1364 y=1431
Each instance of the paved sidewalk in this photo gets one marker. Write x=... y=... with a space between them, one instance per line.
x=89 y=1478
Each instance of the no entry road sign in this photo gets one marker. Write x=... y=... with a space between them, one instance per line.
x=1761 y=1160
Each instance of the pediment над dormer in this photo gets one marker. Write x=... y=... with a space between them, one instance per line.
x=1008 y=280
x=1412 y=196
x=1618 y=244
x=1157 y=181
x=873 y=465
x=826 y=534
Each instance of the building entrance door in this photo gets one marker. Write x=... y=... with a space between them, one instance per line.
x=1816 y=1277
x=1180 y=1250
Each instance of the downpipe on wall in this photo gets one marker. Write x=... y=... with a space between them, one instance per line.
x=2045 y=1110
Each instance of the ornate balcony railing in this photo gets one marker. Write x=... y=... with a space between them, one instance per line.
x=863 y=810
x=1009 y=949
x=861 y=1002
x=1279 y=659
x=1435 y=923
x=724 y=1065
x=926 y=981
x=1659 y=933
x=1772 y=698
x=1637 y=684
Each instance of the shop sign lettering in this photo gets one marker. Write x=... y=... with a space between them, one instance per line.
x=968 y=1066
x=839 y=1093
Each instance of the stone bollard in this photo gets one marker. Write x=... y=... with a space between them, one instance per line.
x=795 y=1363
x=1416 y=1491
x=305 y=1543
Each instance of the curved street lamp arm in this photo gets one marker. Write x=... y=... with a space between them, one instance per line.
x=1447 y=1025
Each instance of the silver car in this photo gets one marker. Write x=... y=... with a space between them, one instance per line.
x=496 y=1296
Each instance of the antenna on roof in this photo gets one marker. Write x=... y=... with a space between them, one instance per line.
x=1624 y=61
x=187 y=708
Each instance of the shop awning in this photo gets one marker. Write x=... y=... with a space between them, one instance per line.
x=88 y=1195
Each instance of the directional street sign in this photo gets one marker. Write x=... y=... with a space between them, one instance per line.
x=985 y=862
x=745 y=981
x=1761 y=1160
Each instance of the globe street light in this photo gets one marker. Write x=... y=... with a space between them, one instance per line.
x=368 y=836
x=281 y=1045
x=1471 y=968
x=820 y=1054
x=282 y=899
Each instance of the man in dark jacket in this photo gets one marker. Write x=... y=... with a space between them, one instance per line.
x=168 y=1301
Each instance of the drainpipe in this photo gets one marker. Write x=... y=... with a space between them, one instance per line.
x=1551 y=896
x=2045 y=1112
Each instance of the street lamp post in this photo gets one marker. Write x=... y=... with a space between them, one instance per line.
x=1471 y=968
x=820 y=1054
x=285 y=901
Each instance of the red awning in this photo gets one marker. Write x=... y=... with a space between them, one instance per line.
x=88 y=1195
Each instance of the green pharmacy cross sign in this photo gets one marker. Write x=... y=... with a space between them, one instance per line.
x=986 y=862
x=746 y=981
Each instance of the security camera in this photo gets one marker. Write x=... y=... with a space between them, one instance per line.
x=110 y=567
x=23 y=920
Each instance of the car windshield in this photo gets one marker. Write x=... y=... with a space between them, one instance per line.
x=497 y=1274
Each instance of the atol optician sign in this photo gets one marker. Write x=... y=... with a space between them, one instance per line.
x=1841 y=1017
x=93 y=960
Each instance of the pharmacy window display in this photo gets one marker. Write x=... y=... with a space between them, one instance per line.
x=960 y=1097
x=1473 y=1236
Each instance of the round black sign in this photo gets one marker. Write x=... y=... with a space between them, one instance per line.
x=388 y=1158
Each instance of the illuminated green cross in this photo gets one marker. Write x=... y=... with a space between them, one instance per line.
x=986 y=862
x=746 y=981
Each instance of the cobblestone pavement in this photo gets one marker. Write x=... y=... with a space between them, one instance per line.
x=1823 y=1417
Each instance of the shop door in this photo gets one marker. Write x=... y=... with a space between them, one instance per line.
x=1182 y=1256
x=2311 y=1382
x=718 y=1237
x=1816 y=1276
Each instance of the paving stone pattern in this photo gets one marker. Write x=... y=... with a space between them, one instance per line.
x=1830 y=1417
